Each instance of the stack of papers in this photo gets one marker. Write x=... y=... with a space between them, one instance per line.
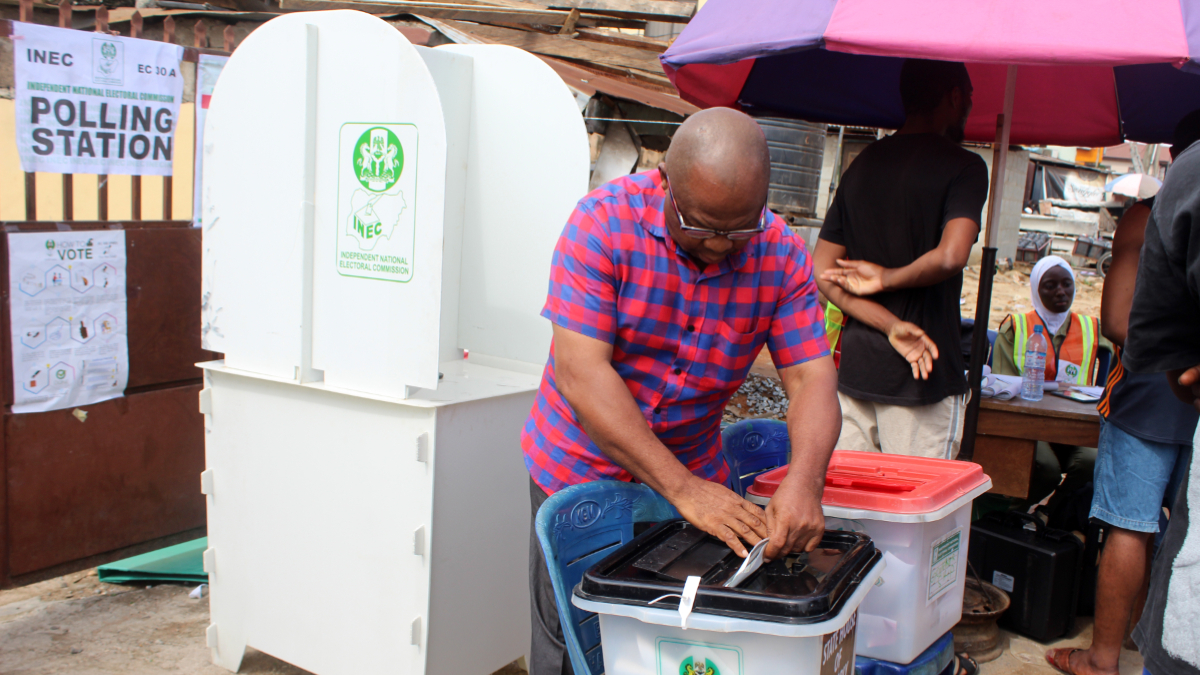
x=1002 y=387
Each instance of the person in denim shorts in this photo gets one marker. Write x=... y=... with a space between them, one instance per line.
x=1144 y=454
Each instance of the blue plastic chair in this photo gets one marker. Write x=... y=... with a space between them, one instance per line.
x=970 y=324
x=752 y=447
x=578 y=527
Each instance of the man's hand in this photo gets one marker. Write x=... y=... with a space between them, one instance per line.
x=714 y=508
x=915 y=346
x=856 y=276
x=794 y=519
x=1189 y=387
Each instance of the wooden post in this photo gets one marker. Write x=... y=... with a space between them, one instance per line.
x=26 y=15
x=200 y=35
x=102 y=179
x=68 y=181
x=30 y=195
x=568 y=26
x=102 y=201
x=987 y=270
x=135 y=30
x=168 y=182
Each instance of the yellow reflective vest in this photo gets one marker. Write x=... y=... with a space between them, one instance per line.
x=1077 y=352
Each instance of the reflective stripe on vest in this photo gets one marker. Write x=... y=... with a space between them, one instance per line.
x=1021 y=333
x=1079 y=346
x=834 y=321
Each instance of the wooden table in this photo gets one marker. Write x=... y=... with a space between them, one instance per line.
x=1009 y=431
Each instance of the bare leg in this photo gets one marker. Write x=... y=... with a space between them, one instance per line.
x=1140 y=603
x=1120 y=581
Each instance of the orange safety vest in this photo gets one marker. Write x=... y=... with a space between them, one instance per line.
x=1079 y=347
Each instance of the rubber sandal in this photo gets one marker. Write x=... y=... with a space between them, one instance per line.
x=966 y=665
x=1061 y=659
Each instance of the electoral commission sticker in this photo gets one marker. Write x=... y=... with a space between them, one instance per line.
x=377 y=195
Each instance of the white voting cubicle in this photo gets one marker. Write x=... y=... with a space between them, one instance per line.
x=372 y=209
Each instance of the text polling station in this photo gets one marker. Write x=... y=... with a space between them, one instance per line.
x=92 y=103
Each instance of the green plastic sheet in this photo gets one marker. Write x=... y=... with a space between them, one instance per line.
x=180 y=563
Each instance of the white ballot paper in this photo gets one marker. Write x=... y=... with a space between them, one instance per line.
x=68 y=315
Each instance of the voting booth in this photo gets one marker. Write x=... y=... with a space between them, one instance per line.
x=373 y=211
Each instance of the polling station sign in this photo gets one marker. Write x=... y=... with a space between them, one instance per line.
x=92 y=103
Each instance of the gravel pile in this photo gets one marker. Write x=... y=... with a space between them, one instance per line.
x=758 y=397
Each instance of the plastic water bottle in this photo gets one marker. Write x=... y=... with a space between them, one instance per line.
x=1034 y=376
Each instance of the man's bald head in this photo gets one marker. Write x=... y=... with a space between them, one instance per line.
x=718 y=159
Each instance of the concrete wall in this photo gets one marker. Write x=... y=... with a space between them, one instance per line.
x=1010 y=216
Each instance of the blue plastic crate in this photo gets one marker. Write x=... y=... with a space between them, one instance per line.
x=938 y=659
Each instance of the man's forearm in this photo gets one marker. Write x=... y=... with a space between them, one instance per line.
x=612 y=419
x=814 y=423
x=932 y=268
x=867 y=311
x=947 y=259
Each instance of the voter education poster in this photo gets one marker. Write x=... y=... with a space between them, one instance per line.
x=93 y=103
x=70 y=345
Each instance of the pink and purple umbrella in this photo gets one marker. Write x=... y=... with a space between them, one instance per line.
x=1062 y=72
x=1092 y=72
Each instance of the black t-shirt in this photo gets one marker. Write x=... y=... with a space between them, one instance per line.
x=890 y=209
x=1164 y=322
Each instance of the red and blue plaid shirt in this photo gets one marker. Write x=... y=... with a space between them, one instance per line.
x=683 y=337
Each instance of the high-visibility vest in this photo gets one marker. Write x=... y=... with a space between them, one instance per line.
x=835 y=321
x=1080 y=346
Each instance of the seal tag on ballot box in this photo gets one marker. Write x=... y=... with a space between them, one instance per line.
x=377 y=201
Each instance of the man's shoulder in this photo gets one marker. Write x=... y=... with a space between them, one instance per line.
x=934 y=146
x=958 y=153
x=633 y=188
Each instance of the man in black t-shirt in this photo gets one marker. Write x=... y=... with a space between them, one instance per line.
x=900 y=230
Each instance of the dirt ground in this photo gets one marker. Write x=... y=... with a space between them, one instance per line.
x=75 y=624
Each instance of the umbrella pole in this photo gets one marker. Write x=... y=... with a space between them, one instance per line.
x=983 y=307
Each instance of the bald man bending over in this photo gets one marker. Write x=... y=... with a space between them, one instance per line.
x=664 y=287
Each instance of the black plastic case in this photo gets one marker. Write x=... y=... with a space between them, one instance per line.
x=1038 y=567
x=800 y=588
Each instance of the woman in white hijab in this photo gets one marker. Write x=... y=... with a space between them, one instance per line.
x=1075 y=339
x=1074 y=345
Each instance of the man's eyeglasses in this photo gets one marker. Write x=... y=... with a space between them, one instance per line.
x=705 y=233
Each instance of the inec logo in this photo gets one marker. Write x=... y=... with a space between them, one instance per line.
x=377 y=168
x=697 y=666
x=108 y=61
x=379 y=160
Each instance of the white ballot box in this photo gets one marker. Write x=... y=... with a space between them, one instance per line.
x=371 y=211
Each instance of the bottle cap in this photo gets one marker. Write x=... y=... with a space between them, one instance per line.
x=1037 y=329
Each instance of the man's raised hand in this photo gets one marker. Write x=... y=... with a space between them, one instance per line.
x=856 y=276
x=915 y=346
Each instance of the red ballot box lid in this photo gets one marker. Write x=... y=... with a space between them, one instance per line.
x=873 y=481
